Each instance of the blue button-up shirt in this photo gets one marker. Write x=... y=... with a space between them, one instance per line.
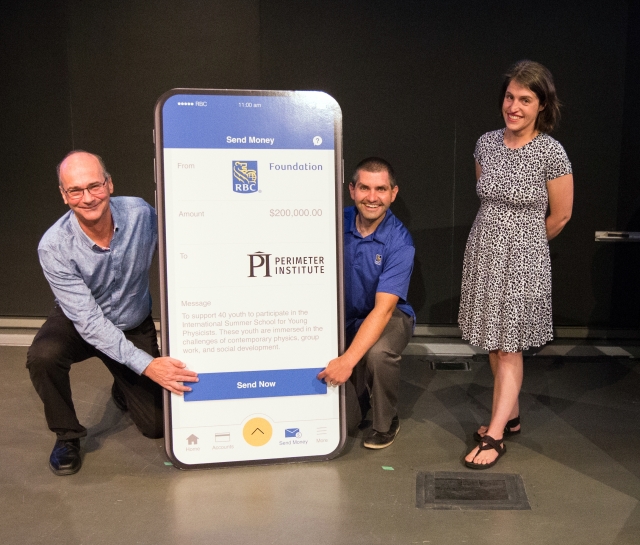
x=381 y=262
x=104 y=291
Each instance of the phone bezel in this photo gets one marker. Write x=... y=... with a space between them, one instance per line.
x=164 y=318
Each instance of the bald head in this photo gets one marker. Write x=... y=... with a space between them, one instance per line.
x=80 y=159
x=86 y=187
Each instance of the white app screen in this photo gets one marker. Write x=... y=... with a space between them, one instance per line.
x=251 y=274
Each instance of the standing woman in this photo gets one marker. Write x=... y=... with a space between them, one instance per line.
x=505 y=304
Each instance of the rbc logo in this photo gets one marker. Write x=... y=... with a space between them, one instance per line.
x=245 y=176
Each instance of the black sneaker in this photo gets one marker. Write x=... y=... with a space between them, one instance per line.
x=118 y=398
x=377 y=439
x=65 y=457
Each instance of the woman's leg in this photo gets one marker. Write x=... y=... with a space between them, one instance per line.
x=515 y=411
x=507 y=368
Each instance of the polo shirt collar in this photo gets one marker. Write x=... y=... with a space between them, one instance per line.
x=381 y=234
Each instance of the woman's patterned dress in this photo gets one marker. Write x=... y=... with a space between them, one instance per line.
x=506 y=280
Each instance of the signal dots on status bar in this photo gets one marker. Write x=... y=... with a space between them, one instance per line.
x=186 y=104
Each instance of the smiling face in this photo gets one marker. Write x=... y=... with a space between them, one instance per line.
x=372 y=194
x=520 y=109
x=79 y=171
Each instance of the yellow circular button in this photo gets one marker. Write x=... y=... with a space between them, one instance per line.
x=257 y=432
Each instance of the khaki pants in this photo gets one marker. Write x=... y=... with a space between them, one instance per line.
x=375 y=381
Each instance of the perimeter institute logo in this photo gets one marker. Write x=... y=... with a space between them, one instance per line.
x=260 y=264
x=245 y=176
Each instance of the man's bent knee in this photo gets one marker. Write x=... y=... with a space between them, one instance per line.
x=380 y=357
x=45 y=355
x=152 y=431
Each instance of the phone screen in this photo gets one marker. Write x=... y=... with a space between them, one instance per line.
x=250 y=235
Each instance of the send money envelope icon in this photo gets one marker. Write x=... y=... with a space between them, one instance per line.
x=292 y=432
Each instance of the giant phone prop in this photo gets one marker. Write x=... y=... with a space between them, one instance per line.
x=250 y=236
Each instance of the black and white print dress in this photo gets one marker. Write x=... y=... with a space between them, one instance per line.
x=506 y=279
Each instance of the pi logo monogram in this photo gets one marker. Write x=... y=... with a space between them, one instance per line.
x=257 y=261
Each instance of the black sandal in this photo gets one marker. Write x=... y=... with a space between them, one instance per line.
x=506 y=432
x=488 y=443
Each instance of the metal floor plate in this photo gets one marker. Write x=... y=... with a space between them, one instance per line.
x=466 y=491
x=457 y=364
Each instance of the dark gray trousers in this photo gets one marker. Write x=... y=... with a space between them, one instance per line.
x=58 y=345
x=375 y=381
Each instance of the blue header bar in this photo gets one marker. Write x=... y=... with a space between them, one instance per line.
x=292 y=120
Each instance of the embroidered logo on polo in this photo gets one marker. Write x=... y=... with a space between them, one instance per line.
x=245 y=176
x=378 y=259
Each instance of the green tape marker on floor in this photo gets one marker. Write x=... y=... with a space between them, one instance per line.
x=168 y=464
x=387 y=468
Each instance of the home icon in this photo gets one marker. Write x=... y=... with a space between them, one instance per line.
x=192 y=439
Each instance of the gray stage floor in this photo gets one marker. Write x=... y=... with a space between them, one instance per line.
x=578 y=456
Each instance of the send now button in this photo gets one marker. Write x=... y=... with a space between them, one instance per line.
x=248 y=384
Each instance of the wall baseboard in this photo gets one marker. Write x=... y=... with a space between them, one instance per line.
x=422 y=330
x=560 y=332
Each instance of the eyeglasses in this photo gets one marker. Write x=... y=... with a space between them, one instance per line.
x=96 y=189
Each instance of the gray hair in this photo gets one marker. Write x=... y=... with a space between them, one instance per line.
x=73 y=152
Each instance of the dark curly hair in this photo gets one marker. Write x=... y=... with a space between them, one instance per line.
x=536 y=77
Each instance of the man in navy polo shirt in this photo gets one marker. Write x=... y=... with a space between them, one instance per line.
x=378 y=261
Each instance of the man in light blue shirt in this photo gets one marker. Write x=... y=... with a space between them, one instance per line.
x=378 y=261
x=96 y=259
